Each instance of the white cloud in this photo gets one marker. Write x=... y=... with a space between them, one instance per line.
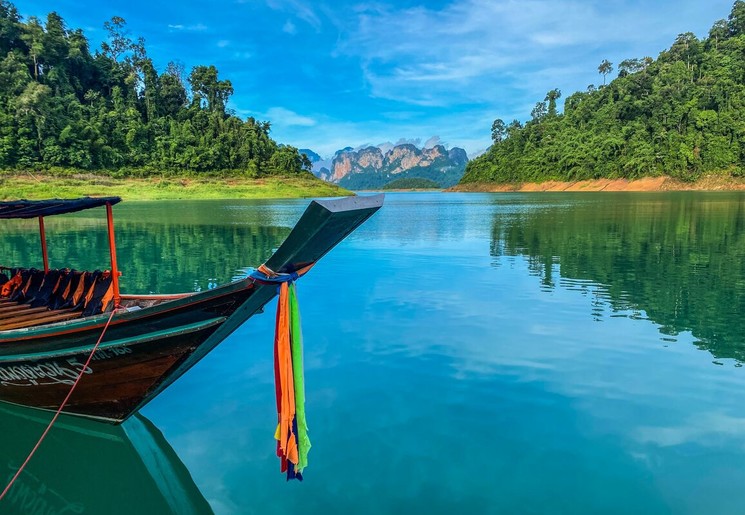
x=473 y=51
x=409 y=141
x=415 y=55
x=433 y=142
x=198 y=27
x=285 y=117
x=298 y=8
x=289 y=27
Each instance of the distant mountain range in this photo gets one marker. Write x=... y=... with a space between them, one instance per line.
x=375 y=166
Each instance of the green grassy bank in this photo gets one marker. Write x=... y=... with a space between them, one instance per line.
x=38 y=185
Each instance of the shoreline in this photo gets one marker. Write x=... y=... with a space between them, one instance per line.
x=713 y=182
x=39 y=185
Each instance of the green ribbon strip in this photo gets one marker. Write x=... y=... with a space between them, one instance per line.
x=296 y=338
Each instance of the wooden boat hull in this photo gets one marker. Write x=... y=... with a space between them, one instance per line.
x=121 y=374
x=144 y=350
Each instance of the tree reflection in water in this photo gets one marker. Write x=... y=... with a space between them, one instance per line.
x=680 y=258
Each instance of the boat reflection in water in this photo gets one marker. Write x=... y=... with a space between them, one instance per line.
x=88 y=467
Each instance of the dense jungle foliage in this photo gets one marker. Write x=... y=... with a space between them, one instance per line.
x=682 y=115
x=63 y=106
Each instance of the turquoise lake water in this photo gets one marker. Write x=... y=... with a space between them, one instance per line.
x=464 y=353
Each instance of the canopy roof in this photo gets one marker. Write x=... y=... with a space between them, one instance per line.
x=36 y=208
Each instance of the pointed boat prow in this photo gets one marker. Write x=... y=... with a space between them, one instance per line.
x=323 y=225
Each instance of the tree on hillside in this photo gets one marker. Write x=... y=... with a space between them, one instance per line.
x=514 y=127
x=628 y=66
x=539 y=112
x=605 y=68
x=171 y=95
x=718 y=32
x=498 y=130
x=204 y=85
x=33 y=37
x=118 y=42
x=176 y=69
x=9 y=27
x=551 y=97
x=686 y=48
x=736 y=19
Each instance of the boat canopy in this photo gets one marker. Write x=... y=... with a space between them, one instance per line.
x=37 y=208
x=41 y=208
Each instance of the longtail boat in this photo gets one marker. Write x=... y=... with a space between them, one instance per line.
x=52 y=319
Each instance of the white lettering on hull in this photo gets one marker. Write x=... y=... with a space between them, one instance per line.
x=54 y=372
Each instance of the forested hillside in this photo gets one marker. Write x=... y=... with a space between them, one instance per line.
x=682 y=115
x=64 y=105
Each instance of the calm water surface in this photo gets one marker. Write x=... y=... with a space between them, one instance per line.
x=465 y=353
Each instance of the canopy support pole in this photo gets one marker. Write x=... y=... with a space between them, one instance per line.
x=43 y=237
x=112 y=251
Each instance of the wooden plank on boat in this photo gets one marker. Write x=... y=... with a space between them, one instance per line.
x=14 y=307
x=23 y=317
x=33 y=320
x=22 y=310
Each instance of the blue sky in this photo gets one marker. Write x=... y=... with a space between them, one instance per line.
x=345 y=73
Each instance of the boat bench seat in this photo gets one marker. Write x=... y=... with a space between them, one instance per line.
x=33 y=297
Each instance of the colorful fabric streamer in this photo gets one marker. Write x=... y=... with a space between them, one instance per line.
x=293 y=443
x=291 y=434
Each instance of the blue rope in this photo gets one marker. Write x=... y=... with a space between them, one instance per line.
x=278 y=279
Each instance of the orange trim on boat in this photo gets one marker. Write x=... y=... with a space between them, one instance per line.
x=80 y=289
x=10 y=286
x=107 y=297
x=43 y=237
x=112 y=251
x=89 y=293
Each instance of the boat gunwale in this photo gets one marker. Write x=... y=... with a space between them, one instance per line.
x=124 y=316
x=122 y=342
x=157 y=296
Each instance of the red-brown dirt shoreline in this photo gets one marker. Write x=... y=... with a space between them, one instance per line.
x=716 y=182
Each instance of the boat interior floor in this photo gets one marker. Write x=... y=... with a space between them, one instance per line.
x=30 y=297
